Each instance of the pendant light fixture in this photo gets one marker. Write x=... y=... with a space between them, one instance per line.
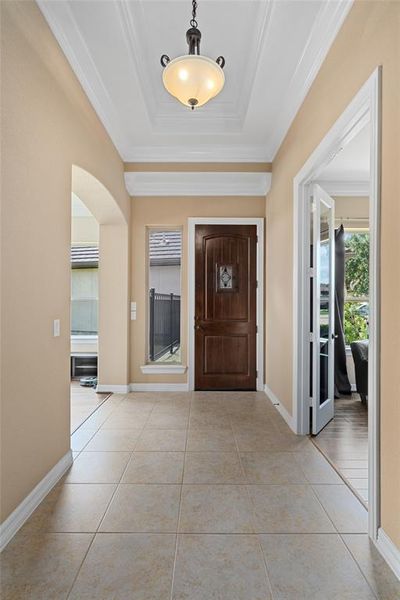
x=193 y=79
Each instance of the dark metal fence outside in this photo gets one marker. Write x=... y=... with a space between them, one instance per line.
x=165 y=329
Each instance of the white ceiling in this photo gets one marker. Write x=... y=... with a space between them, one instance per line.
x=273 y=50
x=352 y=162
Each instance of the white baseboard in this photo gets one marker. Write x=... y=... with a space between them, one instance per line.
x=280 y=408
x=389 y=551
x=159 y=387
x=113 y=388
x=24 y=510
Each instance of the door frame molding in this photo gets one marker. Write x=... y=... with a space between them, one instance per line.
x=365 y=107
x=259 y=223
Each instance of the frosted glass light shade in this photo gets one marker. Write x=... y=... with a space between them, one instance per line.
x=193 y=79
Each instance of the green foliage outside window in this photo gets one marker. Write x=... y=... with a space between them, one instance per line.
x=357 y=264
x=355 y=324
x=357 y=287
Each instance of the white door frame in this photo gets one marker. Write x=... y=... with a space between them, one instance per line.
x=365 y=107
x=259 y=222
x=322 y=413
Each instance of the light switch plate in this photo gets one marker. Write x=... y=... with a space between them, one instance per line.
x=56 y=328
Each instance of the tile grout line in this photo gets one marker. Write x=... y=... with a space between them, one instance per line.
x=180 y=502
x=356 y=561
x=342 y=477
x=253 y=515
x=100 y=522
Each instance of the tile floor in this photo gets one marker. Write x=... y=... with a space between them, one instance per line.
x=344 y=441
x=203 y=496
x=84 y=402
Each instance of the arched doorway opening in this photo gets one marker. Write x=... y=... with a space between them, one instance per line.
x=99 y=315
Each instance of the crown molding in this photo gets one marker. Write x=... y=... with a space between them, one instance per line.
x=323 y=33
x=223 y=116
x=205 y=153
x=346 y=188
x=82 y=64
x=197 y=184
x=194 y=167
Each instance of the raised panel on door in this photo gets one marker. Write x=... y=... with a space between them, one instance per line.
x=225 y=311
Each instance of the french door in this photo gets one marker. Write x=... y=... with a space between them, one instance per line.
x=322 y=308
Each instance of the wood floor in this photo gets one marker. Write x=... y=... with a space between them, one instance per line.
x=344 y=441
x=84 y=401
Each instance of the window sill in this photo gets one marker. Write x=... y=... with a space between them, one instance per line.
x=163 y=369
x=83 y=339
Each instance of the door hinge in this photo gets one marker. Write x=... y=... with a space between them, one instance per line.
x=256 y=328
x=310 y=402
x=256 y=284
x=312 y=272
x=256 y=374
x=311 y=336
x=256 y=239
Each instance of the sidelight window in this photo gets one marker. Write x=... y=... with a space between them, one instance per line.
x=164 y=295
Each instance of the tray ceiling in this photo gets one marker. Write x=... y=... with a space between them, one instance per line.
x=273 y=50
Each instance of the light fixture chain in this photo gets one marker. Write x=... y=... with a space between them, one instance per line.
x=193 y=21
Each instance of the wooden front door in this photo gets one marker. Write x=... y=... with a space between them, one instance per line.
x=225 y=309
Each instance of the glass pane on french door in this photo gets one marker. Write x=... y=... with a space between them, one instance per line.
x=322 y=309
x=324 y=303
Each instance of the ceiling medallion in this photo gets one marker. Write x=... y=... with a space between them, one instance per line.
x=193 y=79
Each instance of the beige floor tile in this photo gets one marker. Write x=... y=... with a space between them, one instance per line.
x=81 y=438
x=218 y=422
x=215 y=509
x=141 y=508
x=98 y=467
x=346 y=511
x=257 y=440
x=288 y=509
x=155 y=467
x=203 y=440
x=271 y=467
x=125 y=421
x=42 y=567
x=73 y=508
x=162 y=440
x=290 y=442
x=220 y=567
x=212 y=467
x=165 y=420
x=313 y=567
x=114 y=440
x=316 y=468
x=378 y=574
x=127 y=567
x=97 y=419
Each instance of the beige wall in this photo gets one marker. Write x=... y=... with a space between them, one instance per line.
x=172 y=212
x=47 y=126
x=369 y=37
x=84 y=231
x=352 y=211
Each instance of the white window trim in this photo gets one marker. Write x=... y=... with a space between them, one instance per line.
x=152 y=368
x=84 y=339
